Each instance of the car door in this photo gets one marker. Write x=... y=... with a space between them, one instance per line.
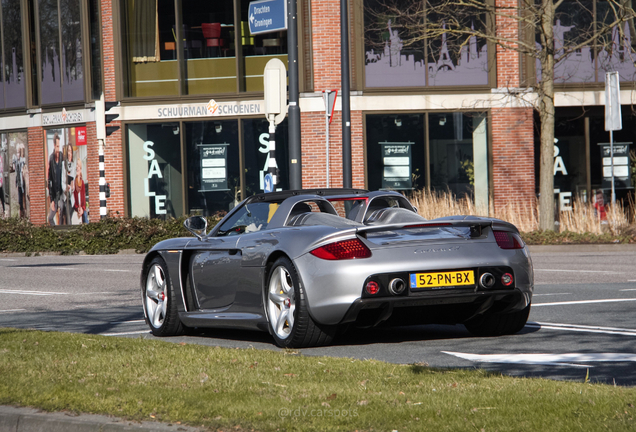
x=215 y=266
x=214 y=270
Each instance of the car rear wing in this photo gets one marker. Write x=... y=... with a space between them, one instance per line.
x=476 y=226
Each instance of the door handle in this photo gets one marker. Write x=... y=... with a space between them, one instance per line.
x=235 y=252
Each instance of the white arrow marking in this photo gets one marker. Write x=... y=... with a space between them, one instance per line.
x=547 y=359
x=252 y=18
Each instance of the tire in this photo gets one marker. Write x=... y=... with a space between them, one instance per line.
x=158 y=296
x=498 y=324
x=286 y=308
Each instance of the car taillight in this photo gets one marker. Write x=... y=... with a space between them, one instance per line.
x=346 y=249
x=508 y=240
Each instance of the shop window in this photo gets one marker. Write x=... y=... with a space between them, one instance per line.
x=202 y=49
x=396 y=55
x=395 y=151
x=154 y=170
x=214 y=175
x=457 y=159
x=578 y=60
x=12 y=90
x=150 y=49
x=458 y=155
x=61 y=52
x=96 y=48
x=14 y=175
x=66 y=176
x=256 y=156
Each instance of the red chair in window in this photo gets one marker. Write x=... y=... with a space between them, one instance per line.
x=212 y=35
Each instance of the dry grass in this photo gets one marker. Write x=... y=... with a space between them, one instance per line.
x=581 y=219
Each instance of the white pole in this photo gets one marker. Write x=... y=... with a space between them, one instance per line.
x=326 y=97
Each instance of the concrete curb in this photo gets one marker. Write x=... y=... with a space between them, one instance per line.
x=13 y=419
x=578 y=248
x=34 y=254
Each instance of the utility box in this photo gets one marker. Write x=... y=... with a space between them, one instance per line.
x=275 y=85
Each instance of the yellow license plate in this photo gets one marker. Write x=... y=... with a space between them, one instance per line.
x=442 y=280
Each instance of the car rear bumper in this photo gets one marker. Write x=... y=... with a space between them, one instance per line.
x=439 y=307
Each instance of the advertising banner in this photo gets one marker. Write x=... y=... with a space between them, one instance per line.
x=622 y=177
x=396 y=158
x=213 y=167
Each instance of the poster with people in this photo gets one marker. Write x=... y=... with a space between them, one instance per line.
x=66 y=187
x=14 y=175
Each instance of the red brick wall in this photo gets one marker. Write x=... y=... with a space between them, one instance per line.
x=314 y=150
x=38 y=204
x=513 y=156
x=327 y=74
x=507 y=59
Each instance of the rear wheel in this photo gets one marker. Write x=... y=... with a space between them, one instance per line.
x=287 y=313
x=498 y=324
x=159 y=305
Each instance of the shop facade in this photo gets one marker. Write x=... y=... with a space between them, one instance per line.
x=193 y=137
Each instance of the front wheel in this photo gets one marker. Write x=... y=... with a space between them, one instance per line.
x=287 y=313
x=498 y=324
x=159 y=300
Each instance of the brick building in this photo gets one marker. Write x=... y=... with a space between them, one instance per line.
x=194 y=139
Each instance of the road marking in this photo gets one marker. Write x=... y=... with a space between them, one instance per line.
x=629 y=289
x=583 y=328
x=36 y=293
x=86 y=269
x=128 y=322
x=11 y=310
x=537 y=295
x=583 y=302
x=566 y=359
x=579 y=271
x=7 y=259
x=125 y=333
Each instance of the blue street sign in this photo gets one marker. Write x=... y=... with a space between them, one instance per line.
x=269 y=183
x=266 y=16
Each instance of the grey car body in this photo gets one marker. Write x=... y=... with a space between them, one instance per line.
x=258 y=269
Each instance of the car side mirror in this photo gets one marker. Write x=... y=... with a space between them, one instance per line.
x=197 y=225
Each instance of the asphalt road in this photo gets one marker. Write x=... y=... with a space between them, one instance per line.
x=583 y=316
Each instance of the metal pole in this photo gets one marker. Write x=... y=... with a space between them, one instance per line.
x=293 y=112
x=346 y=93
x=326 y=97
x=612 y=165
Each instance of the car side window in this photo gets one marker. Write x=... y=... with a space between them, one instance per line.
x=249 y=218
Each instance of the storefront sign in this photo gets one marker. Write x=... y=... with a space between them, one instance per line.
x=396 y=157
x=62 y=118
x=213 y=167
x=212 y=108
x=622 y=177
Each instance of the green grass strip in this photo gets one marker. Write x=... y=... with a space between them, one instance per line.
x=267 y=391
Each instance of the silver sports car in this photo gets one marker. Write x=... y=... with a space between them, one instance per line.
x=304 y=264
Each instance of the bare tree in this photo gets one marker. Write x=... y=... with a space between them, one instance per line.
x=545 y=33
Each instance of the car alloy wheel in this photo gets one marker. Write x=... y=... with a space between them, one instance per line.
x=159 y=302
x=156 y=296
x=281 y=302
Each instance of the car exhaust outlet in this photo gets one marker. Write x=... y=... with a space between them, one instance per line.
x=487 y=280
x=397 y=286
